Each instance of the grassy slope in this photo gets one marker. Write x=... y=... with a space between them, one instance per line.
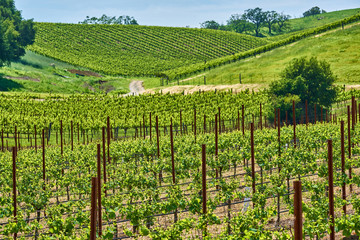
x=136 y=50
x=299 y=24
x=340 y=48
x=38 y=67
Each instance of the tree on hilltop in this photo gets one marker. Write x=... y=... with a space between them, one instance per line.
x=210 y=24
x=104 y=19
x=239 y=24
x=282 y=20
x=251 y=20
x=257 y=17
x=270 y=18
x=313 y=11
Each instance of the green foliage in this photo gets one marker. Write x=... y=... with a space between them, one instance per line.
x=313 y=11
x=127 y=112
x=211 y=24
x=310 y=80
x=136 y=50
x=252 y=224
x=139 y=206
x=15 y=33
x=282 y=21
x=239 y=24
x=104 y=19
x=257 y=17
x=174 y=231
x=252 y=19
x=271 y=17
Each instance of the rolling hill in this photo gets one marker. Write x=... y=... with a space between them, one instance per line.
x=136 y=50
x=40 y=74
x=303 y=23
x=259 y=61
x=338 y=47
x=299 y=24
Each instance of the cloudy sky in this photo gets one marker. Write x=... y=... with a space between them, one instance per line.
x=177 y=13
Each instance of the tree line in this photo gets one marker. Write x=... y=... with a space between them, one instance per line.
x=253 y=19
x=104 y=19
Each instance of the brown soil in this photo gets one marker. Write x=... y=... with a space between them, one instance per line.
x=136 y=88
x=189 y=89
x=188 y=79
x=23 y=78
x=349 y=87
x=84 y=73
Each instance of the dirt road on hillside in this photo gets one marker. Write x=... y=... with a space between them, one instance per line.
x=136 y=88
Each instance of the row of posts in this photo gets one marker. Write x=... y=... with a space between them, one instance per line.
x=97 y=185
x=143 y=128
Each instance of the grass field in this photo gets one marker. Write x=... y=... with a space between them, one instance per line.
x=40 y=74
x=340 y=48
x=298 y=24
x=303 y=23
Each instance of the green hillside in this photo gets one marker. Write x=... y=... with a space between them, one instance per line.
x=136 y=50
x=303 y=23
x=298 y=24
x=338 y=47
x=183 y=72
x=180 y=53
x=40 y=74
x=166 y=51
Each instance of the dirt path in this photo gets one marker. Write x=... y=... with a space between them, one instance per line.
x=188 y=79
x=349 y=87
x=136 y=88
x=337 y=29
x=189 y=89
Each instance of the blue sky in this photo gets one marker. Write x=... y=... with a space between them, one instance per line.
x=177 y=13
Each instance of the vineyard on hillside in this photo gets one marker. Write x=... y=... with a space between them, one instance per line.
x=185 y=71
x=136 y=50
x=168 y=52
